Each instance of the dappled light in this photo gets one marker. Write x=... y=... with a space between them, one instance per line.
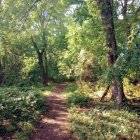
x=55 y=124
x=69 y=69
x=104 y=123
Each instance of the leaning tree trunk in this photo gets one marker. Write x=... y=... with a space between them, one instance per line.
x=108 y=22
x=105 y=93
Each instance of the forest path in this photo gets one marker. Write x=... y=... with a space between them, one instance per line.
x=55 y=124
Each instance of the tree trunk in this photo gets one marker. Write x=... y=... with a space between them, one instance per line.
x=125 y=18
x=43 y=70
x=105 y=93
x=121 y=95
x=43 y=74
x=114 y=89
x=106 y=7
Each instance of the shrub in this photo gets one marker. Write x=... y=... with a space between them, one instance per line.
x=80 y=99
x=19 y=106
x=102 y=123
x=71 y=88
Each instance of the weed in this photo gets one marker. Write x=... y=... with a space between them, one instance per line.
x=19 y=109
x=71 y=88
x=103 y=123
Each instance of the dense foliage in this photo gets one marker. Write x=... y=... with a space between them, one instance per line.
x=95 y=44
x=19 y=109
x=70 y=39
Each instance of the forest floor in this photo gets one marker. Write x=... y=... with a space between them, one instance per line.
x=55 y=124
x=70 y=113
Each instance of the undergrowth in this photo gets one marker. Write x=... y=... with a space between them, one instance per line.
x=20 y=108
x=79 y=97
x=71 y=88
x=104 y=123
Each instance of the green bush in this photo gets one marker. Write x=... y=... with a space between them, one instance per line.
x=34 y=74
x=80 y=99
x=53 y=74
x=71 y=88
x=19 y=106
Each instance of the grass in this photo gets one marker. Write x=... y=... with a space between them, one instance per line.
x=78 y=99
x=104 y=122
x=20 y=108
x=71 y=88
x=76 y=96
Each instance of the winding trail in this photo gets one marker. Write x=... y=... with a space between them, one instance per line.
x=55 y=124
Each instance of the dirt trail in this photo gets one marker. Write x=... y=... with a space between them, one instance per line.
x=54 y=125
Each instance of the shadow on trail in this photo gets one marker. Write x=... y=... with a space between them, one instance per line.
x=55 y=124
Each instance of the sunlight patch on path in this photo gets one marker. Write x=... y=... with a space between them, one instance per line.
x=55 y=124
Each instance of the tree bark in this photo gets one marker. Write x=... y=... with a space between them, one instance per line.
x=121 y=95
x=114 y=89
x=43 y=74
x=106 y=7
x=43 y=70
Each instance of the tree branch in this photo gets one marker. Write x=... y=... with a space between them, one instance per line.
x=35 y=45
x=27 y=12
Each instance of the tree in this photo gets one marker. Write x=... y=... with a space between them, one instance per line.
x=44 y=24
x=34 y=28
x=106 y=7
x=85 y=47
x=43 y=71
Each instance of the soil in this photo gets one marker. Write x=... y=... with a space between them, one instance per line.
x=55 y=124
